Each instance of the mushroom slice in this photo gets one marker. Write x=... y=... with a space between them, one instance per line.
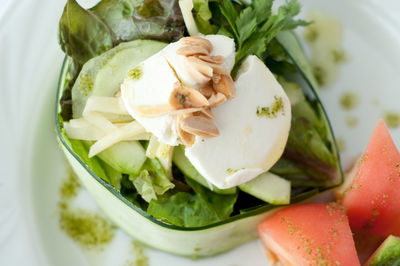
x=213 y=59
x=197 y=41
x=200 y=126
x=225 y=85
x=207 y=113
x=201 y=66
x=216 y=99
x=186 y=138
x=207 y=90
x=184 y=97
x=192 y=50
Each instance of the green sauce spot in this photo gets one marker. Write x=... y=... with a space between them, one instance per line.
x=341 y=144
x=231 y=171
x=351 y=121
x=70 y=186
x=311 y=34
x=320 y=75
x=348 y=101
x=87 y=228
x=86 y=84
x=339 y=56
x=135 y=73
x=140 y=259
x=392 y=119
x=273 y=110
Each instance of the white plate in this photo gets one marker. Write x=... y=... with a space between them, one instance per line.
x=32 y=167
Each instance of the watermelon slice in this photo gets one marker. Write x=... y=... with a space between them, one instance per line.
x=311 y=234
x=373 y=198
x=387 y=254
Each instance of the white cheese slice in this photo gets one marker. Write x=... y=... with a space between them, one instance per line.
x=160 y=72
x=249 y=144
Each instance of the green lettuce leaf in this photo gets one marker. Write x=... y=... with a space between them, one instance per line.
x=201 y=208
x=84 y=34
x=152 y=180
x=202 y=16
x=81 y=148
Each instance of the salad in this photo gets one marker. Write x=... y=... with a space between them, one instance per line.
x=189 y=120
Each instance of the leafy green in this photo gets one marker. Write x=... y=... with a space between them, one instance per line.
x=84 y=34
x=81 y=34
x=196 y=209
x=254 y=26
x=152 y=180
x=202 y=16
x=81 y=148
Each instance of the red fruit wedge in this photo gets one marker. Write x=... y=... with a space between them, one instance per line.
x=311 y=234
x=373 y=199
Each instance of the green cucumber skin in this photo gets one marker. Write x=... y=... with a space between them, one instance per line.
x=126 y=157
x=182 y=162
x=265 y=186
x=193 y=243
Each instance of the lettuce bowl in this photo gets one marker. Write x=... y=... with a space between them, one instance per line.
x=192 y=241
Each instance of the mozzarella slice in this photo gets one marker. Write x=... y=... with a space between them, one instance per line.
x=153 y=87
x=249 y=143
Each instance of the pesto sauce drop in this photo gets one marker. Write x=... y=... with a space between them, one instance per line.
x=140 y=259
x=348 y=101
x=87 y=228
x=273 y=110
x=392 y=119
x=135 y=73
x=351 y=121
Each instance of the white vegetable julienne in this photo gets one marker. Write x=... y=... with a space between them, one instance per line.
x=117 y=135
x=249 y=143
x=186 y=7
x=102 y=104
x=152 y=147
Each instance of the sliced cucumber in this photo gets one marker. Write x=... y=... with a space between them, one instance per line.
x=126 y=157
x=183 y=163
x=103 y=75
x=269 y=188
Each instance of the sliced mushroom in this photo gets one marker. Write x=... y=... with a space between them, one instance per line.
x=186 y=138
x=197 y=41
x=201 y=66
x=207 y=113
x=207 y=90
x=201 y=73
x=213 y=59
x=216 y=99
x=184 y=97
x=199 y=125
x=225 y=85
x=192 y=50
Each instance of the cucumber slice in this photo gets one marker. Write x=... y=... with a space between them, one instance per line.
x=269 y=188
x=183 y=163
x=103 y=75
x=126 y=157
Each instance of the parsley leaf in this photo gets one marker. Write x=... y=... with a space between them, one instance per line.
x=254 y=26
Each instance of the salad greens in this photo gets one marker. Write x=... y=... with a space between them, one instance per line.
x=119 y=31
x=196 y=209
